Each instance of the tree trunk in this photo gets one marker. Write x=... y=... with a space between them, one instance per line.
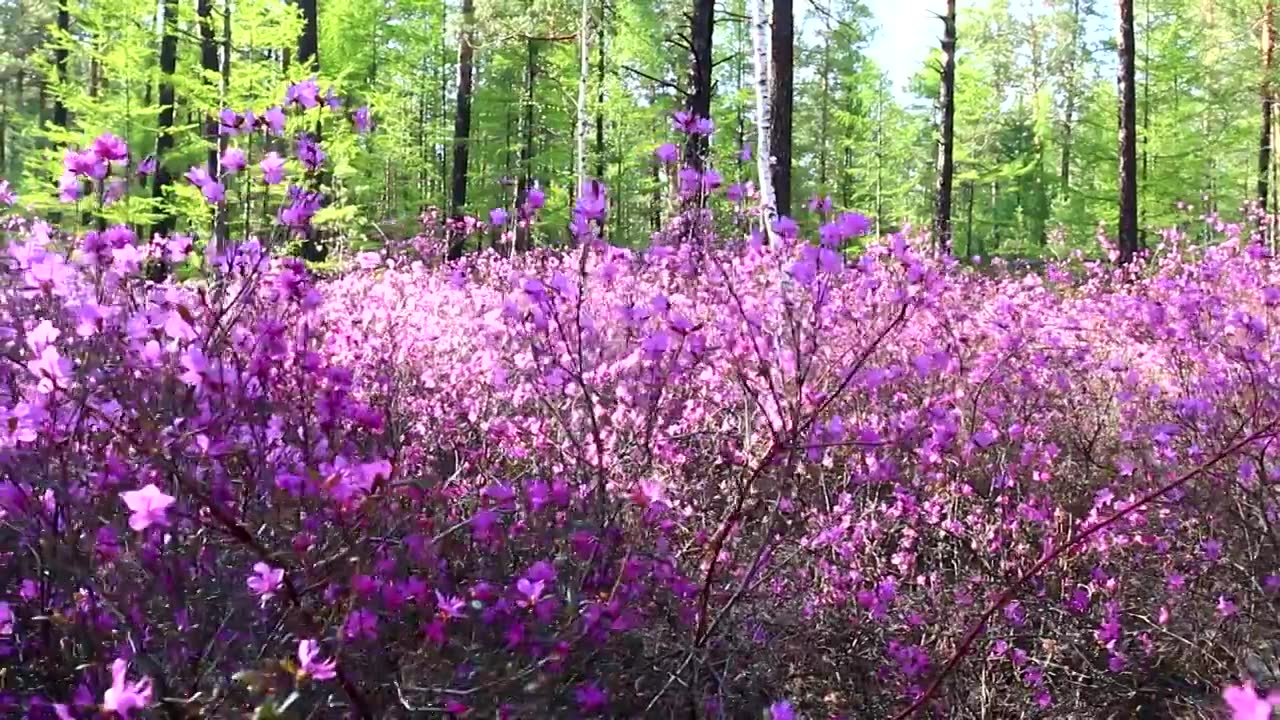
x=584 y=74
x=462 y=125
x=1128 y=224
x=164 y=123
x=209 y=68
x=783 y=77
x=1069 y=110
x=824 y=116
x=309 y=40
x=1268 y=99
x=764 y=116
x=527 y=134
x=220 y=235
x=701 y=29
x=600 y=151
x=947 y=112
x=60 y=64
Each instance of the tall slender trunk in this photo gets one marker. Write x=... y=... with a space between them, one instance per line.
x=220 y=235
x=1128 y=222
x=1069 y=109
x=60 y=64
x=209 y=66
x=462 y=124
x=946 y=132
x=1268 y=99
x=527 y=135
x=165 y=122
x=309 y=39
x=764 y=116
x=600 y=39
x=824 y=116
x=584 y=75
x=701 y=30
x=783 y=77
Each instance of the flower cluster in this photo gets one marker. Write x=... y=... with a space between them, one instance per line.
x=601 y=481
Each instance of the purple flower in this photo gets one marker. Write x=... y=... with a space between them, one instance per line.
x=305 y=94
x=109 y=148
x=273 y=120
x=591 y=699
x=332 y=100
x=124 y=697
x=1245 y=704
x=686 y=122
x=821 y=205
x=7 y=196
x=591 y=201
x=266 y=581
x=497 y=217
x=786 y=227
x=6 y=619
x=667 y=153
x=147 y=167
x=68 y=187
x=535 y=199
x=272 y=166
x=362 y=120
x=744 y=155
x=530 y=591
x=148 y=506
x=214 y=193
x=309 y=153
x=311 y=666
x=782 y=710
x=230 y=122
x=233 y=160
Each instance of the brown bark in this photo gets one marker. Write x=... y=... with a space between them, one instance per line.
x=462 y=124
x=782 y=45
x=60 y=64
x=946 y=133
x=165 y=121
x=1128 y=221
x=1268 y=99
x=701 y=30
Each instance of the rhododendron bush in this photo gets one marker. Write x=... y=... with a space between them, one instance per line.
x=707 y=478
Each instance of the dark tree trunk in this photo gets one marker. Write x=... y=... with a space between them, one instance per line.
x=1268 y=100
x=701 y=28
x=60 y=64
x=462 y=125
x=209 y=66
x=1128 y=225
x=309 y=58
x=165 y=122
x=946 y=132
x=309 y=40
x=783 y=47
x=600 y=153
x=527 y=134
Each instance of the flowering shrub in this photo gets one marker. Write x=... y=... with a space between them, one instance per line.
x=708 y=478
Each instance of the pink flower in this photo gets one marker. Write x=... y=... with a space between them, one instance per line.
x=1246 y=705
x=124 y=697
x=148 y=506
x=530 y=590
x=233 y=160
x=308 y=652
x=266 y=582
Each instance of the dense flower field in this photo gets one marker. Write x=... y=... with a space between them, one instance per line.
x=711 y=478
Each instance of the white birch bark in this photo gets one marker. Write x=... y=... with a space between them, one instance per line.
x=764 y=114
